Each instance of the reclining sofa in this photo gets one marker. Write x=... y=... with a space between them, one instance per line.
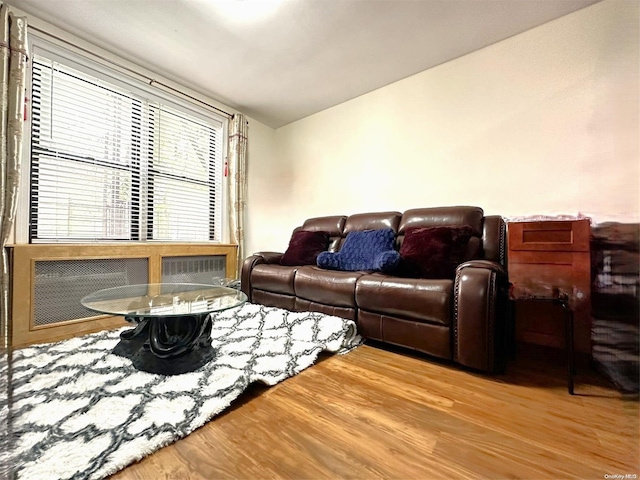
x=462 y=317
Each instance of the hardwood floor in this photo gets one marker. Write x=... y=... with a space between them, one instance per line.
x=375 y=413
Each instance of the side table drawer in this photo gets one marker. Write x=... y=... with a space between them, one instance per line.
x=550 y=236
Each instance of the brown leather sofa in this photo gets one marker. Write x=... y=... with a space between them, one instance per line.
x=464 y=319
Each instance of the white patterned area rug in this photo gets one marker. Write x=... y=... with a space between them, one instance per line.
x=80 y=411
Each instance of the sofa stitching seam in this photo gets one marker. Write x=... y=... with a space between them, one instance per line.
x=490 y=340
x=502 y=246
x=455 y=316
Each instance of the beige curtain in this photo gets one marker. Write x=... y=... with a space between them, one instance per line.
x=13 y=45
x=12 y=76
x=237 y=183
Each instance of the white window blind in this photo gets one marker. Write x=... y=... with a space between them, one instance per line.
x=108 y=163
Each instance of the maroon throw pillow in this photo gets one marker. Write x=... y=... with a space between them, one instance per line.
x=434 y=252
x=304 y=248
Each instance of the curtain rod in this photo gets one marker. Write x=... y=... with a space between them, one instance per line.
x=152 y=82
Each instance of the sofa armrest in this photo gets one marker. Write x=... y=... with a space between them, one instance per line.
x=488 y=264
x=480 y=315
x=250 y=262
x=269 y=257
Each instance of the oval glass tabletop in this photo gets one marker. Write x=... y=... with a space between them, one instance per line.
x=163 y=299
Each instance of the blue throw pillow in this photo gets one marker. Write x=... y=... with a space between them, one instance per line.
x=364 y=250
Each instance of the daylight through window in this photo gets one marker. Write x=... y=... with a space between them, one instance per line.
x=108 y=163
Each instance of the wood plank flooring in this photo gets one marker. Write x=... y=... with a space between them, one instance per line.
x=377 y=413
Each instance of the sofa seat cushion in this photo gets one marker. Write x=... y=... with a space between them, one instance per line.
x=273 y=278
x=328 y=287
x=423 y=300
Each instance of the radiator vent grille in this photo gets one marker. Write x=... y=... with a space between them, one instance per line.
x=61 y=284
x=193 y=269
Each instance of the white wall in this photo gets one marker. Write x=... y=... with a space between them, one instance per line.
x=546 y=122
x=263 y=189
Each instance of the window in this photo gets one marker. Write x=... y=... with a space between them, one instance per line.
x=111 y=161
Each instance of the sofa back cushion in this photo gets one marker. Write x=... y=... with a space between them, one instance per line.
x=440 y=217
x=461 y=250
x=364 y=250
x=304 y=248
x=370 y=221
x=435 y=252
x=333 y=225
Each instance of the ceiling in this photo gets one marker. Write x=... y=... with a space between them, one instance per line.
x=281 y=60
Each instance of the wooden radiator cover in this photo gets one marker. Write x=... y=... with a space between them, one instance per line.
x=34 y=281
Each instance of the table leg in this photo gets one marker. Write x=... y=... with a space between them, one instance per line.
x=569 y=344
x=171 y=337
x=140 y=326
x=169 y=345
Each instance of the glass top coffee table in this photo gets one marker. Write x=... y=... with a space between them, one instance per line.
x=172 y=333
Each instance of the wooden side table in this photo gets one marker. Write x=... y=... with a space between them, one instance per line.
x=548 y=254
x=556 y=296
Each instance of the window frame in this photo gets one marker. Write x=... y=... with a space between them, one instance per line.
x=101 y=68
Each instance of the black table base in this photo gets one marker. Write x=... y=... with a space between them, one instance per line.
x=169 y=345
